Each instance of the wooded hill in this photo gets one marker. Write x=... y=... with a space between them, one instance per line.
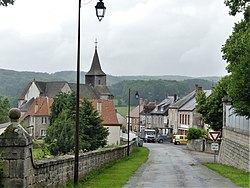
x=12 y=83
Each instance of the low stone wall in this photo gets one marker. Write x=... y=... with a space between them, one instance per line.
x=201 y=145
x=20 y=170
x=55 y=172
x=235 y=148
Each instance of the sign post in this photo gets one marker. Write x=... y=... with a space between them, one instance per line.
x=215 y=146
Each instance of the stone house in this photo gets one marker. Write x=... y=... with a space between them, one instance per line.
x=182 y=114
x=37 y=97
x=36 y=118
x=135 y=115
x=160 y=119
x=106 y=109
x=145 y=115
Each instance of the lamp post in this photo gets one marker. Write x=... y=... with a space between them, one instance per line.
x=137 y=96
x=128 y=119
x=100 y=11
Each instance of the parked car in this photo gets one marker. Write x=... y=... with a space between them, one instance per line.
x=179 y=139
x=149 y=135
x=164 y=138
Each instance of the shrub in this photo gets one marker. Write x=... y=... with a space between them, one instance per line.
x=196 y=133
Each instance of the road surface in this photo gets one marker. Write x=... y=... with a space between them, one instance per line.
x=173 y=166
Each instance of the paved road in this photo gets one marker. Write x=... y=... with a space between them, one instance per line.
x=172 y=165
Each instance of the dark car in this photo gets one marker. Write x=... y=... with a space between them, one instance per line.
x=164 y=138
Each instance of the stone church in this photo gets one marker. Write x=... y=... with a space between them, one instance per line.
x=38 y=96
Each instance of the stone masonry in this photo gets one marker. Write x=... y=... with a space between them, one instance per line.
x=20 y=170
x=235 y=148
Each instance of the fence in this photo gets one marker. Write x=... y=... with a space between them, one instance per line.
x=234 y=121
x=234 y=150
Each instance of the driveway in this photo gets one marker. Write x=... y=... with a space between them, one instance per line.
x=172 y=165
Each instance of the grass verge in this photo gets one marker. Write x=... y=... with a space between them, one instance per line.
x=115 y=174
x=237 y=176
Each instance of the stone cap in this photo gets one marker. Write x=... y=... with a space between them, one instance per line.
x=15 y=134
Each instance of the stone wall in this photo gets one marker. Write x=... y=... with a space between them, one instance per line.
x=57 y=171
x=235 y=148
x=201 y=145
x=20 y=170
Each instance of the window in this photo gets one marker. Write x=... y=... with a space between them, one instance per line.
x=31 y=131
x=32 y=119
x=44 y=120
x=42 y=132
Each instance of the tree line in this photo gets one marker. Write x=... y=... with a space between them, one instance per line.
x=155 y=90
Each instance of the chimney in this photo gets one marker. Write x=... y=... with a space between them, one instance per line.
x=36 y=106
x=175 y=97
x=99 y=107
x=198 y=89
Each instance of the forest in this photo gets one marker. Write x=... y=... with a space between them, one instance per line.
x=12 y=83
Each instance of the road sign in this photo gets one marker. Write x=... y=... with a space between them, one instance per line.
x=215 y=135
x=214 y=146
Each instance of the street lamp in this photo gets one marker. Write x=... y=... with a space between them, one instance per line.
x=128 y=119
x=100 y=11
x=137 y=96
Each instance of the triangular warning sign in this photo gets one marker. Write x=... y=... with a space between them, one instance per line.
x=215 y=135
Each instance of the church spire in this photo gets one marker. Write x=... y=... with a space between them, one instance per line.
x=95 y=76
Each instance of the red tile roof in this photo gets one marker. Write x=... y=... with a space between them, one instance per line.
x=107 y=111
x=40 y=107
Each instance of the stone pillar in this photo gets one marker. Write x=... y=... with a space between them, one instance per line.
x=15 y=145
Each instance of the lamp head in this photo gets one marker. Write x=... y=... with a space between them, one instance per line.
x=100 y=10
x=137 y=95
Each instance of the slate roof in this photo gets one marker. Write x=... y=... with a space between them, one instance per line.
x=25 y=91
x=95 y=69
x=108 y=112
x=148 y=107
x=184 y=100
x=25 y=106
x=162 y=107
x=103 y=89
x=121 y=119
x=190 y=105
x=49 y=89
x=86 y=91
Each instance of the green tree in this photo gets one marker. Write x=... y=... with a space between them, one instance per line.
x=61 y=131
x=196 y=133
x=6 y=2
x=235 y=6
x=4 y=109
x=236 y=52
x=211 y=107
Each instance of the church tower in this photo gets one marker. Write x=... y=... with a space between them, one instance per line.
x=95 y=76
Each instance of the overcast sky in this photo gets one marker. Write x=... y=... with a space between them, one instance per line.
x=136 y=37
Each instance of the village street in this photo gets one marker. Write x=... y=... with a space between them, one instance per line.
x=172 y=165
